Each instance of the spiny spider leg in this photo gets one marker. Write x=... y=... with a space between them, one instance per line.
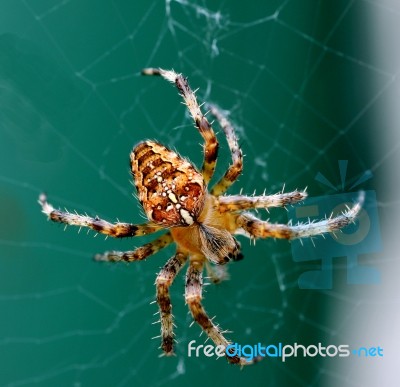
x=193 y=297
x=138 y=254
x=241 y=202
x=210 y=149
x=115 y=230
x=262 y=229
x=236 y=168
x=164 y=280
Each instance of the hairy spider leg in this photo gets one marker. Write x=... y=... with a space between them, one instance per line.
x=138 y=254
x=241 y=202
x=115 y=230
x=163 y=282
x=211 y=145
x=235 y=169
x=262 y=229
x=193 y=297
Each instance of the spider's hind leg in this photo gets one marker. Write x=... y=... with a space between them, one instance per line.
x=210 y=149
x=236 y=168
x=115 y=230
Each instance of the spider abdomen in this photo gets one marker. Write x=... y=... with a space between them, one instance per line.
x=170 y=189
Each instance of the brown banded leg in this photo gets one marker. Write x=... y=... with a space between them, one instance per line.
x=240 y=202
x=262 y=229
x=235 y=169
x=164 y=280
x=115 y=230
x=138 y=254
x=193 y=297
x=210 y=140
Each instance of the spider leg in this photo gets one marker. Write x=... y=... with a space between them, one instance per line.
x=263 y=229
x=193 y=297
x=138 y=254
x=235 y=169
x=241 y=202
x=116 y=230
x=164 y=280
x=211 y=143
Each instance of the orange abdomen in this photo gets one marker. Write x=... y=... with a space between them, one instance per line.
x=170 y=189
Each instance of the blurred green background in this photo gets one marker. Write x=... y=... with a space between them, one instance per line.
x=298 y=79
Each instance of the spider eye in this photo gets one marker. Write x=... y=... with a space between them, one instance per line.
x=170 y=189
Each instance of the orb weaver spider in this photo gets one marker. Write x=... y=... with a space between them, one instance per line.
x=201 y=222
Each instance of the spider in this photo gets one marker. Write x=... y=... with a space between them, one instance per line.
x=201 y=222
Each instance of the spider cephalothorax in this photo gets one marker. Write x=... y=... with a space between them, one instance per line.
x=201 y=222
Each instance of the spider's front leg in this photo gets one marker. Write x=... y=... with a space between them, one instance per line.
x=262 y=229
x=163 y=282
x=241 y=202
x=115 y=230
x=193 y=297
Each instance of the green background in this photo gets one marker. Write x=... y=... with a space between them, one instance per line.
x=299 y=79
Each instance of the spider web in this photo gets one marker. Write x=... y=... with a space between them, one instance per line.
x=305 y=83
